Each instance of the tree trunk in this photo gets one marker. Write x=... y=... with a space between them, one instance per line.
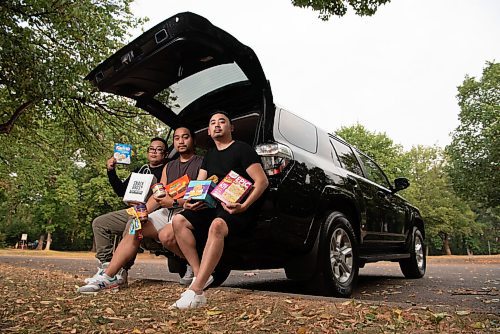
x=446 y=245
x=49 y=241
x=41 y=239
x=469 y=251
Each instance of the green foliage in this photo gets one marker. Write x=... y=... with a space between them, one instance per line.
x=446 y=215
x=62 y=193
x=475 y=149
x=47 y=47
x=19 y=222
x=328 y=8
x=489 y=219
x=56 y=131
x=474 y=153
x=2 y=240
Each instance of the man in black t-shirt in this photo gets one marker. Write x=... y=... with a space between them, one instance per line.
x=197 y=223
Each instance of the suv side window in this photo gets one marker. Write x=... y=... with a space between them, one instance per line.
x=374 y=172
x=346 y=157
x=335 y=158
x=297 y=131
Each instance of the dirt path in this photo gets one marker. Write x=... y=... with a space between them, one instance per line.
x=44 y=300
x=452 y=282
x=35 y=301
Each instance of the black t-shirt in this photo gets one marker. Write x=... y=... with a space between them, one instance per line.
x=237 y=157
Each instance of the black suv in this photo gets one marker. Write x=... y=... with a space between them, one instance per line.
x=329 y=208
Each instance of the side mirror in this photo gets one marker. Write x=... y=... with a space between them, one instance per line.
x=401 y=183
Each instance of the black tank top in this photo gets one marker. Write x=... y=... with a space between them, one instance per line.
x=176 y=168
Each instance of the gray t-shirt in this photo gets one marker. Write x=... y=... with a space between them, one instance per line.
x=176 y=168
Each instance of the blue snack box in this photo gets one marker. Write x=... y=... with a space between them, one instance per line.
x=200 y=191
x=122 y=153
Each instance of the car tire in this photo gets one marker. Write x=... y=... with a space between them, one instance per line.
x=182 y=270
x=338 y=256
x=415 y=266
x=176 y=265
x=220 y=275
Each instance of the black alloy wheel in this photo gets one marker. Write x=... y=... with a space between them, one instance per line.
x=414 y=267
x=339 y=256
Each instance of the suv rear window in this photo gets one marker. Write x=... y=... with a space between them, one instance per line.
x=297 y=131
x=188 y=90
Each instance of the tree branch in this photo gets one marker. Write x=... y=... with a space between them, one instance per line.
x=6 y=128
x=23 y=10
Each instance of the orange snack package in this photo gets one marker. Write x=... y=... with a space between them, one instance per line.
x=176 y=189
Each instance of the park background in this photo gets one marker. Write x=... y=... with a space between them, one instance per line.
x=56 y=131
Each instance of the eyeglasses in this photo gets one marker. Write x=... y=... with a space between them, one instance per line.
x=156 y=149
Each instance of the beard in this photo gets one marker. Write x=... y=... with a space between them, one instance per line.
x=217 y=134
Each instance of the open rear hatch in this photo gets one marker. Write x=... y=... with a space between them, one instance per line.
x=183 y=69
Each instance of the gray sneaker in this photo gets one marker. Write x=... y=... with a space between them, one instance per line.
x=100 y=270
x=188 y=276
x=98 y=283
x=122 y=278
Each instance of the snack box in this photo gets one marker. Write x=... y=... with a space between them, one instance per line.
x=200 y=191
x=122 y=153
x=232 y=188
x=176 y=189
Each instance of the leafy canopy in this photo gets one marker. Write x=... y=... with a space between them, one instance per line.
x=46 y=49
x=327 y=8
x=445 y=214
x=475 y=148
x=56 y=131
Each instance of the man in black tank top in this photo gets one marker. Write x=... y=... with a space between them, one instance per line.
x=197 y=224
x=159 y=222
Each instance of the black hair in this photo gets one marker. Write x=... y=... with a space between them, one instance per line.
x=190 y=129
x=159 y=139
x=223 y=113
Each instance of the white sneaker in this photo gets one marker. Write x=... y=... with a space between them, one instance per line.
x=100 y=270
x=189 y=299
x=98 y=283
x=209 y=281
x=122 y=278
x=187 y=279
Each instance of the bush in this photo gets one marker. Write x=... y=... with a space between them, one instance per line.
x=2 y=240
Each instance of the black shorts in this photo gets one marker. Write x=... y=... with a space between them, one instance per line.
x=237 y=224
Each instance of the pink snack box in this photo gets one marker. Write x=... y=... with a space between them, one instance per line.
x=232 y=188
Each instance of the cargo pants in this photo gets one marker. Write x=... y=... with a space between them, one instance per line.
x=105 y=228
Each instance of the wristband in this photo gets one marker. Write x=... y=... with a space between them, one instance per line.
x=175 y=204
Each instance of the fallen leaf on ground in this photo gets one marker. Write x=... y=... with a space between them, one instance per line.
x=462 y=312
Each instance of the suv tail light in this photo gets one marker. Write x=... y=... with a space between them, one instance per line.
x=275 y=157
